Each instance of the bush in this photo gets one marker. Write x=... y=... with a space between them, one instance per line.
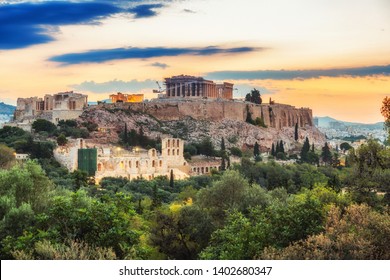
x=43 y=125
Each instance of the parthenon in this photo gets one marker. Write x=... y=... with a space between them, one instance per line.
x=184 y=86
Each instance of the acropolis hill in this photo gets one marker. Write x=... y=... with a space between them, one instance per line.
x=275 y=115
x=194 y=119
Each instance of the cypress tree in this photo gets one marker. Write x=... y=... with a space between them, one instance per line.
x=223 y=164
x=281 y=147
x=296 y=132
x=125 y=138
x=171 y=181
x=277 y=148
x=312 y=148
x=326 y=153
x=223 y=144
x=256 y=150
x=273 y=153
x=305 y=150
x=228 y=163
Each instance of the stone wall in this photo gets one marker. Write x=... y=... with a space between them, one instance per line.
x=275 y=115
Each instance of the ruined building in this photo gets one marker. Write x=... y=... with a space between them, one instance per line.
x=56 y=107
x=109 y=161
x=120 y=97
x=184 y=86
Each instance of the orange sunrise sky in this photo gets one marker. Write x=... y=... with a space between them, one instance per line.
x=332 y=56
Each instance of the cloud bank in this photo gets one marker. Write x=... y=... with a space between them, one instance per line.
x=300 y=74
x=24 y=24
x=103 y=55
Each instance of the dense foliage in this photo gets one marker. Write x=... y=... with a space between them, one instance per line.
x=310 y=209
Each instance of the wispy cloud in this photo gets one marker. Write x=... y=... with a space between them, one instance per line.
x=159 y=65
x=98 y=56
x=114 y=86
x=300 y=74
x=27 y=23
x=189 y=11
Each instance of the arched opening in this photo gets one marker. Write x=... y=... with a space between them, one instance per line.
x=178 y=152
x=160 y=163
x=99 y=167
x=173 y=152
x=137 y=164
x=153 y=163
x=169 y=152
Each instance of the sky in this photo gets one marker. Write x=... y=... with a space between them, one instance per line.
x=332 y=56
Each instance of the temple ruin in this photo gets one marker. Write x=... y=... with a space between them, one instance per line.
x=184 y=86
x=56 y=107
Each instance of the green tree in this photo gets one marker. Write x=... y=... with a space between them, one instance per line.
x=254 y=97
x=278 y=224
x=355 y=233
x=326 y=154
x=206 y=147
x=249 y=118
x=183 y=234
x=256 y=150
x=281 y=147
x=126 y=135
x=305 y=150
x=7 y=156
x=296 y=132
x=80 y=179
x=236 y=151
x=171 y=180
x=43 y=125
x=61 y=140
x=273 y=152
x=370 y=173
x=223 y=144
x=345 y=146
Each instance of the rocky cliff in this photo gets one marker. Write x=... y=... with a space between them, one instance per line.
x=193 y=120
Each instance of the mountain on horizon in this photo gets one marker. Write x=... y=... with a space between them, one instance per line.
x=324 y=122
x=6 y=109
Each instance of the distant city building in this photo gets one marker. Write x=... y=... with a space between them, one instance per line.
x=132 y=98
x=56 y=107
x=184 y=86
x=22 y=157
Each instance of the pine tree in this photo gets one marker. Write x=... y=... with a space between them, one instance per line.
x=223 y=144
x=296 y=132
x=273 y=152
x=312 y=148
x=256 y=150
x=228 y=163
x=305 y=150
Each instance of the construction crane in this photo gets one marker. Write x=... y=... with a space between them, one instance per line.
x=160 y=90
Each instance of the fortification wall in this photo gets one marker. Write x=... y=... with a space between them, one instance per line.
x=275 y=115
